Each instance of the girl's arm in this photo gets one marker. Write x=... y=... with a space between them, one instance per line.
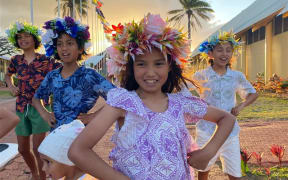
x=251 y=97
x=225 y=123
x=81 y=152
x=44 y=113
x=8 y=118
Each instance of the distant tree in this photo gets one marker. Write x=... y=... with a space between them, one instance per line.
x=5 y=47
x=194 y=9
x=66 y=7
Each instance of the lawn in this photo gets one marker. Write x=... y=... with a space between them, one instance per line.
x=266 y=108
x=5 y=94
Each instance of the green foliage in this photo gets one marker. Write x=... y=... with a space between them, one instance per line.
x=276 y=173
x=5 y=94
x=266 y=108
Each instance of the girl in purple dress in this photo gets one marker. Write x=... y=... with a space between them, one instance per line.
x=151 y=142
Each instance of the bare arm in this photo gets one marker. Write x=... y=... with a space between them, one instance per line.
x=225 y=123
x=8 y=117
x=81 y=152
x=14 y=90
x=251 y=97
x=46 y=115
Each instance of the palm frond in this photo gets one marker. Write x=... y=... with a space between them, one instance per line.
x=175 y=11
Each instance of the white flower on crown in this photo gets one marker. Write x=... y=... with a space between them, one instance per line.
x=48 y=37
x=19 y=26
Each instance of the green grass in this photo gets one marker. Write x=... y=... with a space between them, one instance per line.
x=266 y=108
x=5 y=94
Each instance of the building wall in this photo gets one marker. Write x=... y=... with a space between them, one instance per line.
x=280 y=54
x=255 y=59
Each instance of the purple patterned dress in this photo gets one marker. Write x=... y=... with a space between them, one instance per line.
x=150 y=145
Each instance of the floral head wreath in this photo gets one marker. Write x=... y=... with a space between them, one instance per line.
x=67 y=25
x=19 y=27
x=134 y=39
x=221 y=38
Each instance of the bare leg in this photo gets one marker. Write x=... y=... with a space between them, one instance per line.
x=37 y=139
x=203 y=175
x=24 y=150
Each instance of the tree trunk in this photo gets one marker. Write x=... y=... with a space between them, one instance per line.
x=189 y=26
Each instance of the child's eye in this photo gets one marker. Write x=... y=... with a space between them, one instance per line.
x=160 y=63
x=139 y=64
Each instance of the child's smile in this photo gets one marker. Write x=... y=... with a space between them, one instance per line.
x=151 y=71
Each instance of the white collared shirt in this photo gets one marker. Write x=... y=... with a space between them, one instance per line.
x=220 y=91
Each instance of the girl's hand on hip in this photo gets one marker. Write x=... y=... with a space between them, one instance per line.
x=198 y=159
x=14 y=90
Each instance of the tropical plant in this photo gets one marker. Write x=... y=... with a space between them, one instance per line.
x=66 y=7
x=195 y=10
x=278 y=151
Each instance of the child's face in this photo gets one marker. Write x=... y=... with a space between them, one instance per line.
x=67 y=49
x=221 y=54
x=54 y=169
x=151 y=71
x=25 y=41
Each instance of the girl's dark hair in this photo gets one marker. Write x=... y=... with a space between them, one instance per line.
x=211 y=62
x=173 y=82
x=80 y=44
x=36 y=42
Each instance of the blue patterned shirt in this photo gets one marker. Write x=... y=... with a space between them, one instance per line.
x=74 y=95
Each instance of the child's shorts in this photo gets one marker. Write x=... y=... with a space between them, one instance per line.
x=31 y=122
x=229 y=154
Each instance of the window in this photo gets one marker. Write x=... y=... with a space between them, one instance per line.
x=285 y=24
x=278 y=24
x=262 y=33
x=255 y=35
x=249 y=37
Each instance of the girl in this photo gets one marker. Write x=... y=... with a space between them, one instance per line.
x=30 y=68
x=152 y=142
x=54 y=155
x=75 y=88
x=8 y=117
x=221 y=85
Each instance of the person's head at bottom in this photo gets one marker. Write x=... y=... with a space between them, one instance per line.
x=54 y=148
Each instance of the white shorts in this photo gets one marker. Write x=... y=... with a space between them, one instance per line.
x=229 y=154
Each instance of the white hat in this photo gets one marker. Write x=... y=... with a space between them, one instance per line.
x=58 y=142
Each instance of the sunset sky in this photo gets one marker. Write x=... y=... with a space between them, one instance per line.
x=117 y=11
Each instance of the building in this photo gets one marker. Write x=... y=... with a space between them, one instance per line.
x=98 y=62
x=263 y=26
x=4 y=62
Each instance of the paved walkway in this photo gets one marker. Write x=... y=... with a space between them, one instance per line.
x=255 y=136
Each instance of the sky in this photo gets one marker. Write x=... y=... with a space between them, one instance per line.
x=122 y=11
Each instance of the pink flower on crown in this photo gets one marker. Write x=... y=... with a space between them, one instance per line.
x=154 y=24
x=115 y=64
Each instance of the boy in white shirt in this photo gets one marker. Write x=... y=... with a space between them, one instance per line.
x=219 y=86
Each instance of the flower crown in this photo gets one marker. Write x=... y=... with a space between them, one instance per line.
x=223 y=37
x=137 y=38
x=67 y=25
x=19 y=27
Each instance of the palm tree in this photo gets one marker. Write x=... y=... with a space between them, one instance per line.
x=67 y=7
x=194 y=9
